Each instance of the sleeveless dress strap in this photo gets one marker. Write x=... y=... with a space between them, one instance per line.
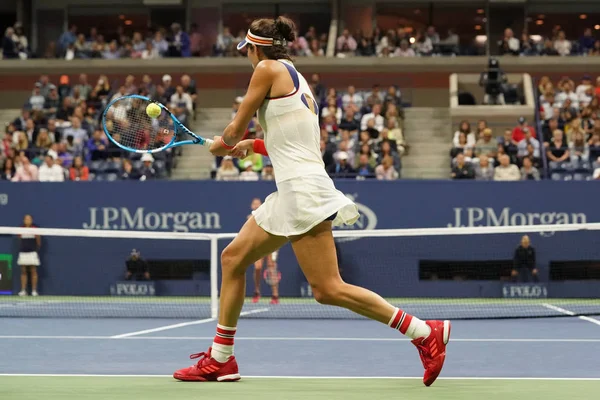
x=294 y=75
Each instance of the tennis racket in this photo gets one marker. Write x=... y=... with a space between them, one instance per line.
x=127 y=124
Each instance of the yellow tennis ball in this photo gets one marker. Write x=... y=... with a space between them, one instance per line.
x=153 y=110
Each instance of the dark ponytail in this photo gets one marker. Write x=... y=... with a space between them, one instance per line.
x=281 y=29
x=286 y=28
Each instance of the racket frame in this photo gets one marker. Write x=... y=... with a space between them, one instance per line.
x=177 y=127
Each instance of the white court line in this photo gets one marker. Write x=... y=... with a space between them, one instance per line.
x=299 y=339
x=181 y=325
x=452 y=378
x=567 y=312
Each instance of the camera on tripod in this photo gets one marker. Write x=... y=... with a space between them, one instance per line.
x=494 y=81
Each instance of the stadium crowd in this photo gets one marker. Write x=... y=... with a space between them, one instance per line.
x=569 y=139
x=58 y=137
x=361 y=136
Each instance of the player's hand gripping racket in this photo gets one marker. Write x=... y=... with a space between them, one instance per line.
x=138 y=124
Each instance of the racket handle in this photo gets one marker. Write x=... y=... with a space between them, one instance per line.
x=208 y=142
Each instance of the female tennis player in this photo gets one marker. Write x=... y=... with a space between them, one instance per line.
x=272 y=276
x=302 y=211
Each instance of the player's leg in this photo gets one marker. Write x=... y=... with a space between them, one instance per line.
x=274 y=277
x=322 y=273
x=251 y=243
x=34 y=280
x=23 y=291
x=258 y=267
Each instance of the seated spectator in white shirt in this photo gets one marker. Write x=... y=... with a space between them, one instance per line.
x=529 y=139
x=386 y=171
x=26 y=171
x=37 y=100
x=586 y=83
x=484 y=171
x=506 y=171
x=80 y=135
x=562 y=45
x=567 y=93
x=50 y=171
x=346 y=43
x=227 y=171
x=181 y=104
x=423 y=45
x=404 y=50
x=374 y=114
x=147 y=171
x=267 y=173
x=465 y=128
x=248 y=174
x=596 y=175
x=509 y=43
x=351 y=97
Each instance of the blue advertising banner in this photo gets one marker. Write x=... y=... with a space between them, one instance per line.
x=389 y=265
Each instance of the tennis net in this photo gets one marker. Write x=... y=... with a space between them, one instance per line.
x=456 y=273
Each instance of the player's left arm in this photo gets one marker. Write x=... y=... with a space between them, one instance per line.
x=260 y=84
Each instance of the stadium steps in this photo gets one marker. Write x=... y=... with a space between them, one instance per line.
x=7 y=116
x=196 y=162
x=426 y=131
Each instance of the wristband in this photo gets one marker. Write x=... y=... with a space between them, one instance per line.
x=259 y=147
x=225 y=145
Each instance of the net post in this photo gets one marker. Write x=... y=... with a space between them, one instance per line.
x=214 y=278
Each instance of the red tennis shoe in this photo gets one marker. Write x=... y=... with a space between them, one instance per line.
x=432 y=349
x=208 y=369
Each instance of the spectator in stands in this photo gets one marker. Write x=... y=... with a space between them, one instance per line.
x=8 y=170
x=595 y=51
x=509 y=44
x=423 y=45
x=224 y=44
x=64 y=87
x=22 y=143
x=524 y=269
x=102 y=88
x=386 y=150
x=365 y=170
x=190 y=88
x=506 y=171
x=548 y=49
x=147 y=170
x=460 y=146
x=248 y=174
x=374 y=114
x=169 y=88
x=150 y=52
x=128 y=172
x=345 y=43
x=314 y=49
x=562 y=45
x=80 y=135
x=509 y=145
x=385 y=170
x=19 y=122
x=333 y=110
x=67 y=38
x=486 y=145
x=50 y=171
x=557 y=151
x=404 y=50
x=43 y=140
x=465 y=128
x=181 y=104
x=350 y=123
x=330 y=125
x=25 y=172
x=462 y=169
x=112 y=52
x=78 y=171
x=96 y=148
x=341 y=168
x=180 y=42
x=528 y=140
x=52 y=103
x=548 y=129
x=30 y=131
x=483 y=170
x=10 y=49
x=160 y=44
x=64 y=155
x=586 y=42
x=594 y=145
x=519 y=134
x=227 y=171
x=579 y=150
x=36 y=101
x=528 y=171
x=528 y=47
x=267 y=173
x=567 y=94
x=317 y=88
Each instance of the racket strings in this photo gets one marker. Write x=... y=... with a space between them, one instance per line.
x=130 y=126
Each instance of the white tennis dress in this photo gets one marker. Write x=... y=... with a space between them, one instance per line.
x=305 y=193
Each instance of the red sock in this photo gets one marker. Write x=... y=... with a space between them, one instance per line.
x=222 y=347
x=400 y=321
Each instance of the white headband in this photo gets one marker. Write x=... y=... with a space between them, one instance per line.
x=260 y=41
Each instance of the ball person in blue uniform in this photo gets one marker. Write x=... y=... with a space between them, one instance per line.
x=29 y=259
